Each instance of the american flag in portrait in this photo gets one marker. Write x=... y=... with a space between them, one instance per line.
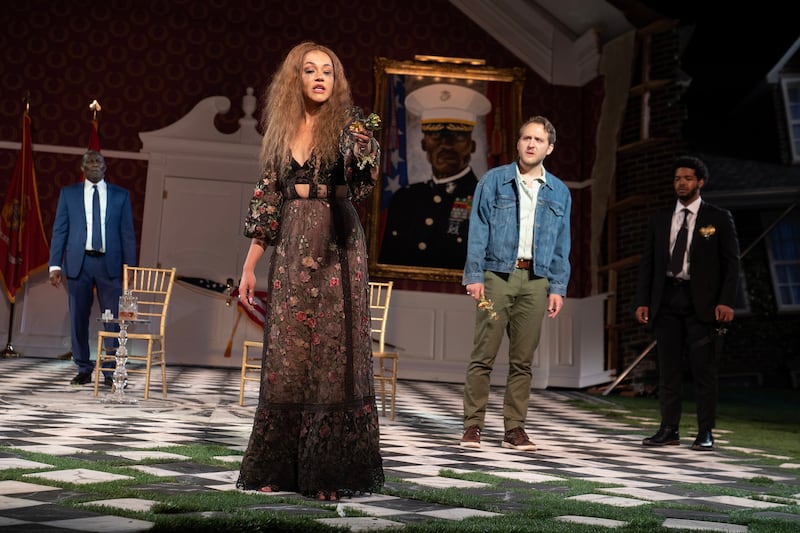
x=395 y=171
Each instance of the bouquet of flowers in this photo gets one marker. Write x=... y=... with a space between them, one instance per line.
x=359 y=124
x=371 y=123
x=488 y=306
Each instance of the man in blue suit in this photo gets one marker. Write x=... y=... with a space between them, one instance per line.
x=93 y=236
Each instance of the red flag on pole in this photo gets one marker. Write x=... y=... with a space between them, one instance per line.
x=24 y=249
x=94 y=135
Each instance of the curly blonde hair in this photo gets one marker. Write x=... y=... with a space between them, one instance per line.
x=284 y=108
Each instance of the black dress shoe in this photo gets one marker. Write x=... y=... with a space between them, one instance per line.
x=81 y=379
x=666 y=436
x=704 y=441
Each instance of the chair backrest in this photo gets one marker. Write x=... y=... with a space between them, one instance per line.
x=153 y=289
x=380 y=293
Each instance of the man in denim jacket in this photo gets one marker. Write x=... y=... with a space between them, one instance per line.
x=517 y=268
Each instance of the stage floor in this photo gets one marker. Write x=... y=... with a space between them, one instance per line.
x=40 y=412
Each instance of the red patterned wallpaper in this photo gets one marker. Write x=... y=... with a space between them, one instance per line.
x=149 y=62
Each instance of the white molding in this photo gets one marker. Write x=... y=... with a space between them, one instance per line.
x=57 y=149
x=587 y=51
x=543 y=42
x=193 y=146
x=195 y=133
x=518 y=26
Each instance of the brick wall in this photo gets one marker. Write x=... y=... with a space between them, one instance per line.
x=643 y=172
x=760 y=346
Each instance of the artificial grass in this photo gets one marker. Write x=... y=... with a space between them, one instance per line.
x=764 y=419
x=767 y=421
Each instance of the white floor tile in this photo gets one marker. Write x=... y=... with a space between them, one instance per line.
x=79 y=476
x=591 y=521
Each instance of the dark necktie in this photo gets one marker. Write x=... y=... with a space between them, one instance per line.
x=97 y=225
x=679 y=250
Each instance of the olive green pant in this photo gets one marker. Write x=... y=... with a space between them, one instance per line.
x=520 y=304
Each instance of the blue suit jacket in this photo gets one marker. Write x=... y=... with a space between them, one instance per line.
x=68 y=243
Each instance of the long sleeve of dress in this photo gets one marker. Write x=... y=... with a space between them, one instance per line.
x=359 y=180
x=263 y=218
x=358 y=170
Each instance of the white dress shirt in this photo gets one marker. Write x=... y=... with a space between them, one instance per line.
x=88 y=192
x=677 y=219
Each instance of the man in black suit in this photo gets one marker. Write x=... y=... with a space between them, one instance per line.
x=686 y=300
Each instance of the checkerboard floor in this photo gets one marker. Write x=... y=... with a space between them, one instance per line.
x=40 y=412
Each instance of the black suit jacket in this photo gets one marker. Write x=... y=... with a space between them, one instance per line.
x=713 y=261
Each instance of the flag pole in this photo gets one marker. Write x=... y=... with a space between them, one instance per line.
x=94 y=144
x=9 y=350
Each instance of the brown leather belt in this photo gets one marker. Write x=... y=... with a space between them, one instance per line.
x=524 y=264
x=94 y=253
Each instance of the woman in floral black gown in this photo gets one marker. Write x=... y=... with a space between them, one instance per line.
x=316 y=427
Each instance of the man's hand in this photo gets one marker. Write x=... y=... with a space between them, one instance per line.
x=555 y=303
x=723 y=313
x=55 y=278
x=475 y=290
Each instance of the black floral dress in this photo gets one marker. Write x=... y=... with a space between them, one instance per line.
x=316 y=425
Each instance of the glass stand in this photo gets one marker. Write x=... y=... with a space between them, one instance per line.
x=117 y=396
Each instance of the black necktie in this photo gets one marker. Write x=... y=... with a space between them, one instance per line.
x=97 y=235
x=679 y=250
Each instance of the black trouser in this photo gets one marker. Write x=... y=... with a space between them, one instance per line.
x=680 y=334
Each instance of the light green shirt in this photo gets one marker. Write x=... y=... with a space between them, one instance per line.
x=527 y=213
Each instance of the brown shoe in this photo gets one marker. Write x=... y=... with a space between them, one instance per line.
x=517 y=439
x=471 y=437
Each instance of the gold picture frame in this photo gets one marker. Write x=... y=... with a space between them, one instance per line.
x=437 y=251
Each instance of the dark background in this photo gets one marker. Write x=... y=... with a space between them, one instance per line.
x=727 y=55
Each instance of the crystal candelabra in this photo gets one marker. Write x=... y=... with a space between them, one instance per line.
x=120 y=371
x=117 y=396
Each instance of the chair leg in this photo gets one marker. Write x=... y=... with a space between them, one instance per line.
x=248 y=365
x=98 y=365
x=383 y=387
x=147 y=367
x=382 y=377
x=163 y=347
x=163 y=376
x=244 y=372
x=394 y=388
x=379 y=389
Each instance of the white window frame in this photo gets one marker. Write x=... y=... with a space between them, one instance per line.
x=782 y=283
x=790 y=86
x=742 y=304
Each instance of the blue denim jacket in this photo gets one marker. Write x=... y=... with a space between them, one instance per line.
x=494 y=229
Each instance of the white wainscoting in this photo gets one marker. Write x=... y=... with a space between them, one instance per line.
x=433 y=334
